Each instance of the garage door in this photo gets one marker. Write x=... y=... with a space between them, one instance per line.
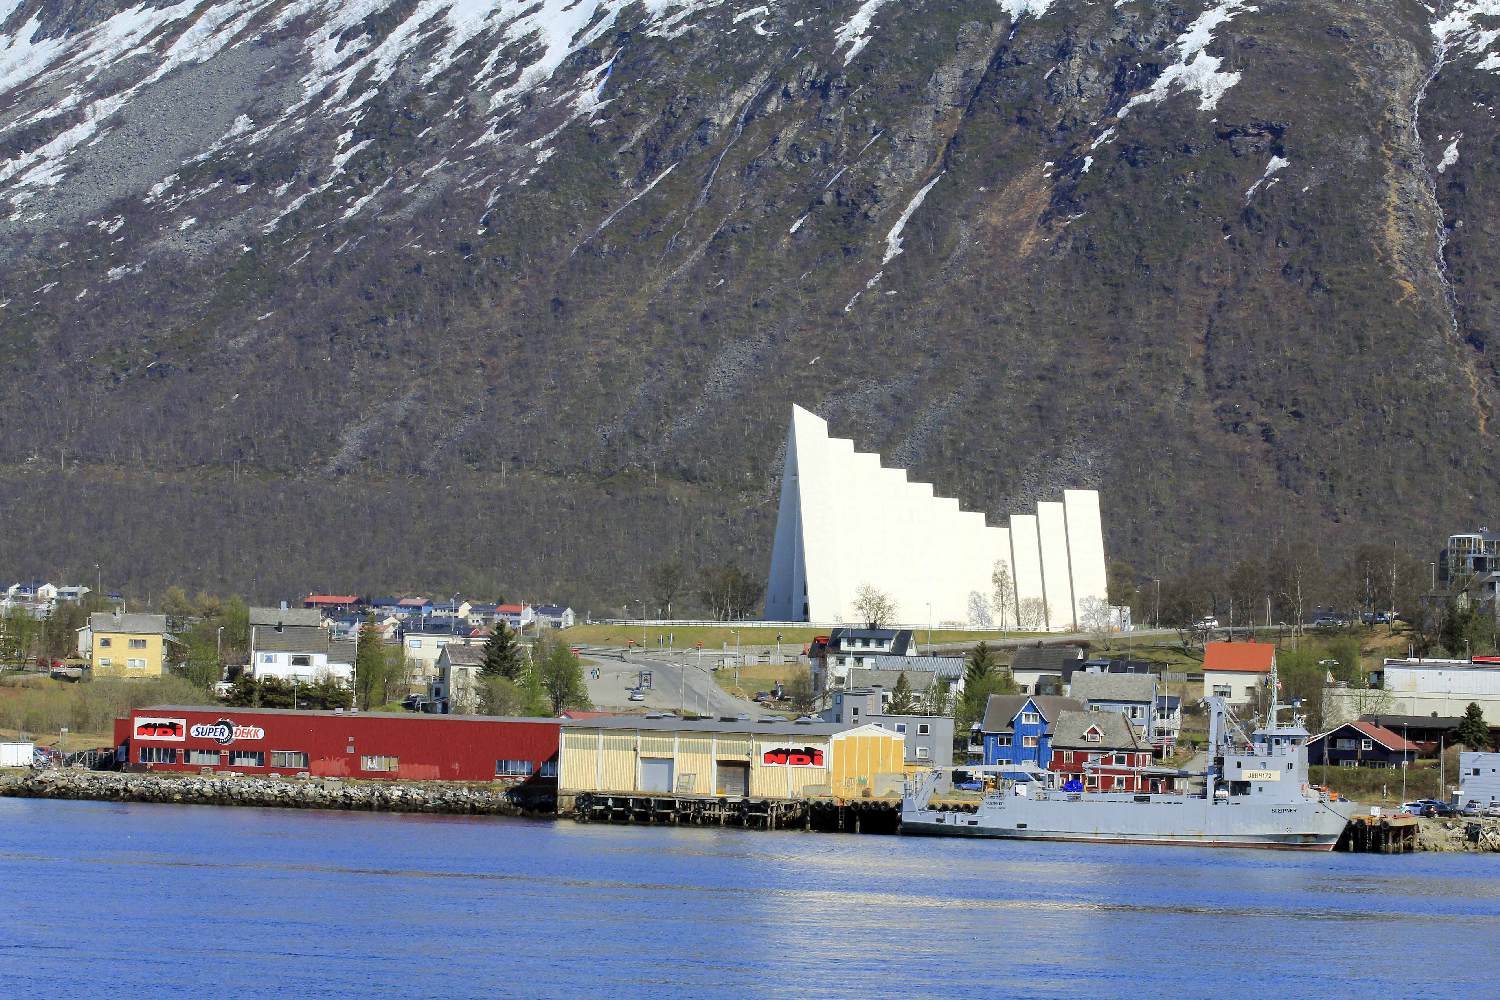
x=734 y=779
x=656 y=774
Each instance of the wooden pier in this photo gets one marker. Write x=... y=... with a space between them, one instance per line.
x=824 y=814
x=1367 y=834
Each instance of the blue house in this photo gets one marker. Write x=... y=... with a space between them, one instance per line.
x=1017 y=728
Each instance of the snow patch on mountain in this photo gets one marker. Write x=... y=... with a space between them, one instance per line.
x=1276 y=164
x=1195 y=69
x=1460 y=29
x=856 y=31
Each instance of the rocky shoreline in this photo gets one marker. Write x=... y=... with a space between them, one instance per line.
x=240 y=790
x=1450 y=836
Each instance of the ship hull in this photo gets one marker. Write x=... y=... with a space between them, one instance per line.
x=1162 y=820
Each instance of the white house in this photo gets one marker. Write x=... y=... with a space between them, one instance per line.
x=554 y=615
x=1238 y=672
x=294 y=644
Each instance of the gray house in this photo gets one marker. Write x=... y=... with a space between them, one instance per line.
x=929 y=738
x=1032 y=663
x=1479 y=778
x=1133 y=695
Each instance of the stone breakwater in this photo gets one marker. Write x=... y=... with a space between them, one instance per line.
x=238 y=790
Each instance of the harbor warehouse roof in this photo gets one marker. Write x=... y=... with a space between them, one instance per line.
x=1239 y=657
x=672 y=724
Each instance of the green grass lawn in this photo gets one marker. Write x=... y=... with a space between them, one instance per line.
x=750 y=634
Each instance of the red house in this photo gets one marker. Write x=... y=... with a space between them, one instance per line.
x=1101 y=751
x=339 y=744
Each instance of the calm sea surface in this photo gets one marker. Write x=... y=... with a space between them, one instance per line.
x=165 y=901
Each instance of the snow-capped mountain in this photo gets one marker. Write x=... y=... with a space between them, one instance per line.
x=410 y=290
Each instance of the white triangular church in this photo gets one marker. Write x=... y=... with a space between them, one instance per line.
x=846 y=521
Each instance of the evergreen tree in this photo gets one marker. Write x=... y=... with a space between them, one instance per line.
x=502 y=654
x=1473 y=731
x=981 y=664
x=902 y=702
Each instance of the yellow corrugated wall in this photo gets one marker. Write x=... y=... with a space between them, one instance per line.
x=617 y=770
x=860 y=756
x=695 y=756
x=579 y=761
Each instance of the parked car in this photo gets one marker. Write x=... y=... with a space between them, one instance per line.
x=1471 y=808
x=1492 y=810
x=636 y=694
x=1207 y=622
x=1428 y=807
x=1329 y=622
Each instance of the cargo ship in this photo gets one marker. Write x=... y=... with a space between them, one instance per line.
x=1255 y=794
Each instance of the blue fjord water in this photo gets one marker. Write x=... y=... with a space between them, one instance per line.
x=109 y=900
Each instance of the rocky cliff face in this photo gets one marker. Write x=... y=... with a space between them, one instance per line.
x=517 y=292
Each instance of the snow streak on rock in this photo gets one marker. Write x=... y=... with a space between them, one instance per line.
x=893 y=239
x=855 y=33
x=1195 y=69
x=1277 y=163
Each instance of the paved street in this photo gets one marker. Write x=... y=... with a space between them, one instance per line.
x=678 y=683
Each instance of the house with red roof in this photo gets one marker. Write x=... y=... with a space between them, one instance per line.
x=333 y=604
x=1361 y=744
x=1238 y=672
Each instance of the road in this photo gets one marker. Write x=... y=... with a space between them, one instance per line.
x=678 y=683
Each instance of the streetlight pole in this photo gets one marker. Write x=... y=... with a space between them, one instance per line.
x=929 y=623
x=1157 y=622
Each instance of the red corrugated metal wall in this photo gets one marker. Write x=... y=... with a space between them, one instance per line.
x=425 y=747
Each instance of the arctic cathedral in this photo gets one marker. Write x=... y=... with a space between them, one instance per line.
x=846 y=521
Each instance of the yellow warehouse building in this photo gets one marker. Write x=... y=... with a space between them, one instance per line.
x=772 y=759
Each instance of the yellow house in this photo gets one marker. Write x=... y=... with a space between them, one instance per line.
x=117 y=644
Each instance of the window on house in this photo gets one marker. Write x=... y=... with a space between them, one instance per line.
x=288 y=758
x=1002 y=741
x=923 y=729
x=1030 y=718
x=1121 y=760
x=104 y=661
x=923 y=753
x=268 y=658
x=414 y=643
x=1367 y=744
x=247 y=758
x=137 y=643
x=301 y=661
x=1028 y=741
x=136 y=664
x=512 y=768
x=203 y=758
x=1222 y=691
x=378 y=762
x=158 y=755
x=105 y=641
x=1067 y=757
x=853 y=711
x=548 y=769
x=900 y=727
x=1092 y=736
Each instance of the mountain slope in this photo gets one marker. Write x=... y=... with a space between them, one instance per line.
x=517 y=294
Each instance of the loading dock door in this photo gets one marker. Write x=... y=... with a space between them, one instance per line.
x=656 y=775
x=733 y=779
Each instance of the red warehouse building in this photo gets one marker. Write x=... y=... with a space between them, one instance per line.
x=339 y=744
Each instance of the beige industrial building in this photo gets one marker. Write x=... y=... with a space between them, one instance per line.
x=774 y=759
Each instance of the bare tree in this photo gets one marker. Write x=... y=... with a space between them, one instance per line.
x=1004 y=594
x=668 y=581
x=979 y=611
x=874 y=606
x=1096 y=616
x=1033 y=614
